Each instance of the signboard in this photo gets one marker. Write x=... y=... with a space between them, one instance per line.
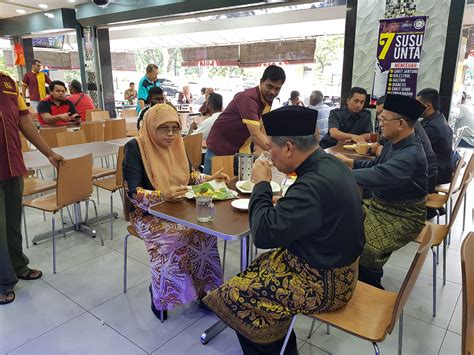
x=398 y=56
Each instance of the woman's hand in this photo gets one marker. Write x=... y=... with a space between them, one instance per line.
x=175 y=193
x=219 y=176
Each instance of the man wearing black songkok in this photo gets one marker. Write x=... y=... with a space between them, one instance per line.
x=396 y=213
x=315 y=233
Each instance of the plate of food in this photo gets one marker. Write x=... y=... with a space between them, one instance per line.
x=242 y=204
x=218 y=190
x=246 y=186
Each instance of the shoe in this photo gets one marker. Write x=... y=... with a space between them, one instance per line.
x=31 y=274
x=441 y=211
x=203 y=306
x=158 y=314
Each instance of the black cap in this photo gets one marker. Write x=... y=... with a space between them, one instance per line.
x=404 y=105
x=290 y=121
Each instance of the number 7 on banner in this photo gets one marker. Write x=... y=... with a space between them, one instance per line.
x=386 y=40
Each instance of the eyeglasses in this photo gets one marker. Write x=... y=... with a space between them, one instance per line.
x=168 y=129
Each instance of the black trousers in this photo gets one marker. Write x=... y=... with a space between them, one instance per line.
x=371 y=276
x=251 y=348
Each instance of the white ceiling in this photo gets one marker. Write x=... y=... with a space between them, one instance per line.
x=8 y=7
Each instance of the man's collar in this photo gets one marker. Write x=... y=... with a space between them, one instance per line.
x=309 y=161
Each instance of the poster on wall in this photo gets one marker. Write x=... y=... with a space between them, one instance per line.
x=398 y=56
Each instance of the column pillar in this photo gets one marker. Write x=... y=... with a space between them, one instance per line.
x=106 y=78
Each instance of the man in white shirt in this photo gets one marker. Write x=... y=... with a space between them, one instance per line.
x=214 y=107
x=316 y=103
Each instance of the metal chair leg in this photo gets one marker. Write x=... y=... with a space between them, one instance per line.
x=464 y=214
x=87 y=212
x=376 y=348
x=62 y=222
x=97 y=222
x=400 y=333
x=437 y=255
x=328 y=329
x=111 y=216
x=70 y=216
x=434 y=281
x=25 y=228
x=223 y=257
x=97 y=191
x=444 y=262
x=287 y=337
x=53 y=229
x=312 y=328
x=125 y=263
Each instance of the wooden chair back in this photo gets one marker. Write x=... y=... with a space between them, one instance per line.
x=456 y=173
x=119 y=173
x=114 y=129
x=410 y=279
x=193 y=147
x=457 y=205
x=224 y=161
x=100 y=115
x=129 y=113
x=467 y=271
x=89 y=113
x=50 y=135
x=94 y=131
x=469 y=169
x=71 y=138
x=74 y=180
x=25 y=147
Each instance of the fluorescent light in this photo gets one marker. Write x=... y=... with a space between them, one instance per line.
x=71 y=0
x=43 y=6
x=21 y=11
x=49 y=14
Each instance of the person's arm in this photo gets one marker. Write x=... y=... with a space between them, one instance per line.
x=24 y=85
x=258 y=136
x=342 y=136
x=43 y=111
x=73 y=111
x=47 y=79
x=250 y=113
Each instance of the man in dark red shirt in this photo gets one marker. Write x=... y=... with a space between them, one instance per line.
x=13 y=118
x=239 y=125
x=56 y=109
x=35 y=81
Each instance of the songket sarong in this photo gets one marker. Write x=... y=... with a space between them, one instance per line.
x=184 y=263
x=260 y=302
x=388 y=227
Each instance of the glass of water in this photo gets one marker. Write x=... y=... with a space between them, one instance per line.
x=206 y=211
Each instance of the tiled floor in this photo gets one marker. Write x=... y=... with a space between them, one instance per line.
x=82 y=309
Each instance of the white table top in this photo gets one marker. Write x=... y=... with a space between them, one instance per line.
x=119 y=141
x=36 y=160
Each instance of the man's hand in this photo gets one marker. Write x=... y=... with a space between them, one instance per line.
x=219 y=176
x=65 y=116
x=175 y=193
x=55 y=159
x=261 y=171
x=347 y=161
x=358 y=139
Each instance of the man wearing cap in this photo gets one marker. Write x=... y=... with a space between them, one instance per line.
x=315 y=231
x=396 y=213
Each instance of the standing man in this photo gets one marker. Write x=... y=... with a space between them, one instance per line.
x=56 y=109
x=130 y=94
x=13 y=118
x=315 y=232
x=439 y=133
x=239 y=125
x=396 y=213
x=351 y=122
x=146 y=83
x=35 y=81
x=316 y=103
x=81 y=101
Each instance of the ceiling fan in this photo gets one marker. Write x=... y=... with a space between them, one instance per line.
x=105 y=3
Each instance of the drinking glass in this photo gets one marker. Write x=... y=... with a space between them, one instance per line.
x=206 y=211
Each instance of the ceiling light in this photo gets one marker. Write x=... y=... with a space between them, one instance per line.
x=49 y=14
x=43 y=6
x=71 y=0
x=21 y=11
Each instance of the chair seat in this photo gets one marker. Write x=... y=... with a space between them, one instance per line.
x=46 y=203
x=108 y=184
x=440 y=231
x=436 y=201
x=98 y=172
x=132 y=231
x=34 y=185
x=444 y=188
x=364 y=319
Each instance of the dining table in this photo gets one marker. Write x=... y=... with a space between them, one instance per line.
x=350 y=153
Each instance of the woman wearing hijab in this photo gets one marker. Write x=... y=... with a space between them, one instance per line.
x=156 y=169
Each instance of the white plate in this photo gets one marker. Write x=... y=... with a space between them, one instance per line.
x=241 y=204
x=273 y=184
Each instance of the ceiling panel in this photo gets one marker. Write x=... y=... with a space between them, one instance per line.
x=8 y=7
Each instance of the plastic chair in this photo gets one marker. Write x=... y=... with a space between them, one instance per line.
x=129 y=113
x=73 y=186
x=224 y=161
x=71 y=138
x=94 y=131
x=371 y=313
x=116 y=128
x=193 y=147
x=50 y=135
x=467 y=270
x=100 y=115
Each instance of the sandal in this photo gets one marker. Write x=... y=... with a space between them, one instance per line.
x=31 y=274
x=9 y=297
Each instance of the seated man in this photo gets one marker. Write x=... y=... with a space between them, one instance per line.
x=155 y=96
x=316 y=231
x=82 y=102
x=351 y=122
x=55 y=109
x=439 y=133
x=396 y=213
x=316 y=102
x=214 y=107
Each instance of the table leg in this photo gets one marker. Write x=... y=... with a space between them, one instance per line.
x=219 y=326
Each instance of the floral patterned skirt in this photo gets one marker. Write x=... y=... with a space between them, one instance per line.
x=260 y=302
x=184 y=263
